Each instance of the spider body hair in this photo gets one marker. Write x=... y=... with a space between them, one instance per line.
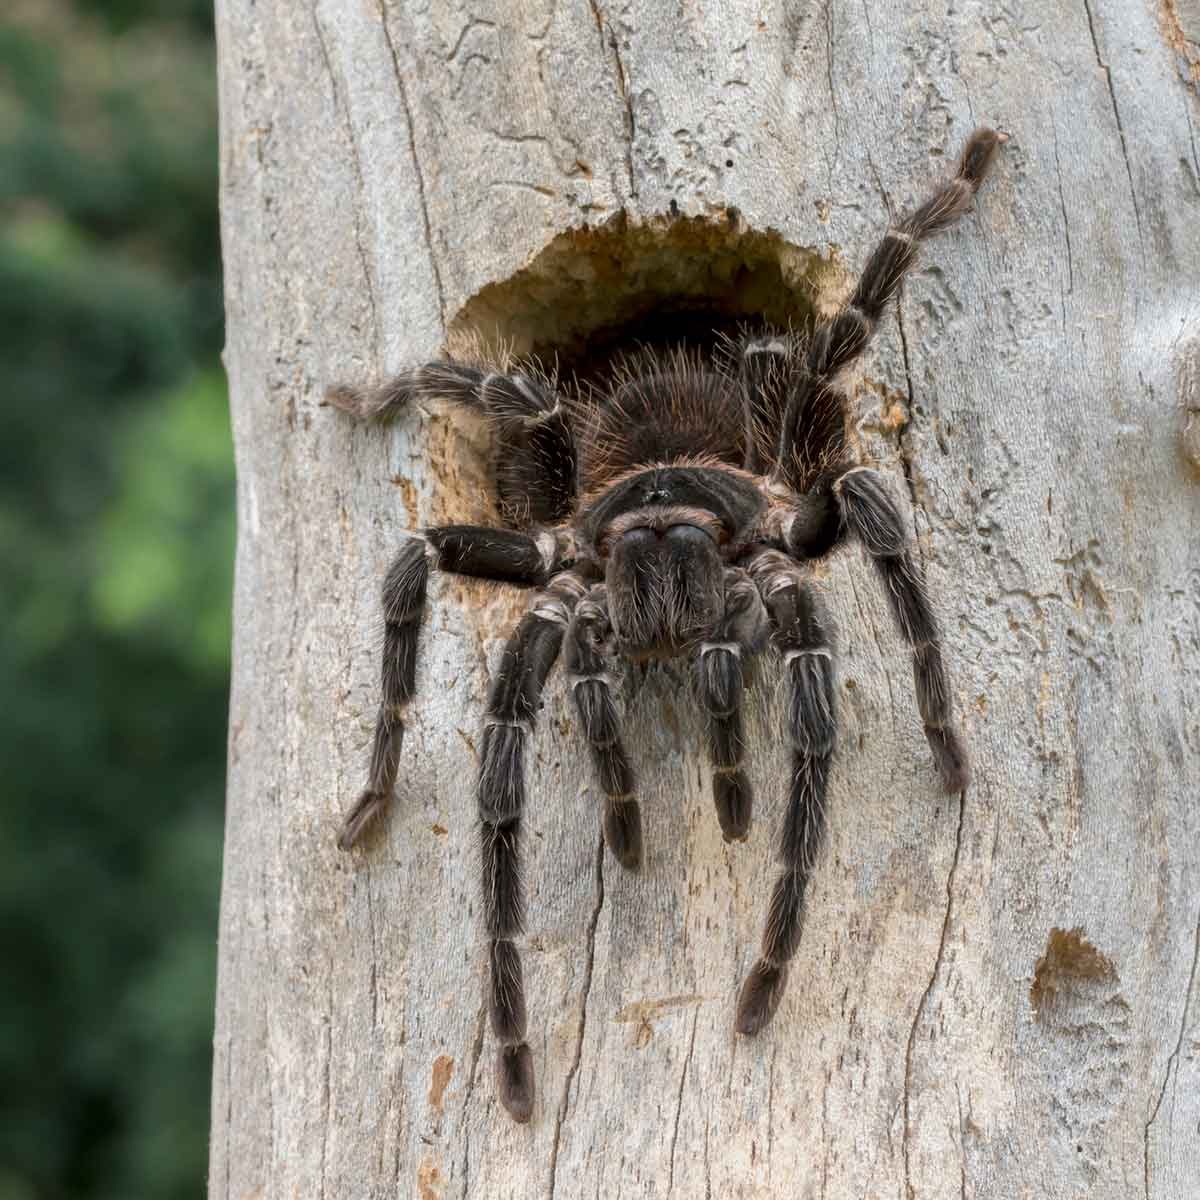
x=675 y=510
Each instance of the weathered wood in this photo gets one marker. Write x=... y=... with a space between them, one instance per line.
x=993 y=998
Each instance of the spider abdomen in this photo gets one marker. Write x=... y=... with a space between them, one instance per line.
x=664 y=410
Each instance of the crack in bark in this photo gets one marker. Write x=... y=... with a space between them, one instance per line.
x=341 y=104
x=687 y=1062
x=476 y=1052
x=1062 y=204
x=623 y=87
x=833 y=104
x=1172 y=1061
x=1187 y=115
x=909 y=1191
x=561 y=1117
x=374 y=984
x=398 y=1157
x=1112 y=95
x=416 y=161
x=866 y=12
x=472 y=23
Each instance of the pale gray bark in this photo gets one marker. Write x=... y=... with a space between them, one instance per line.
x=947 y=1032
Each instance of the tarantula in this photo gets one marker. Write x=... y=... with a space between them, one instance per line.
x=675 y=511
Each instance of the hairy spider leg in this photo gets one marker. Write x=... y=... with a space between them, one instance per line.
x=787 y=403
x=505 y=555
x=512 y=708
x=500 y=554
x=403 y=606
x=871 y=515
x=767 y=367
x=588 y=661
x=536 y=460
x=717 y=669
x=802 y=633
x=839 y=341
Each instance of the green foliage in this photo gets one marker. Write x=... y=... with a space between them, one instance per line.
x=116 y=530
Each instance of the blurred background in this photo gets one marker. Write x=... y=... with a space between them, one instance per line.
x=116 y=538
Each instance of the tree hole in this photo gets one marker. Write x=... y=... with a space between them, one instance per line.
x=597 y=291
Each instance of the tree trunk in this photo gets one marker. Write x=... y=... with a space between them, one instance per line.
x=996 y=993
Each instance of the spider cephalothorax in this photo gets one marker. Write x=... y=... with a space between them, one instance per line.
x=673 y=511
x=663 y=537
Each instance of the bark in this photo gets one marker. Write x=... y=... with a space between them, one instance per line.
x=996 y=993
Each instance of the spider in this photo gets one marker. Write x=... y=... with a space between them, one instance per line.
x=675 y=511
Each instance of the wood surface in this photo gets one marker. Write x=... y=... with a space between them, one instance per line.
x=996 y=993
